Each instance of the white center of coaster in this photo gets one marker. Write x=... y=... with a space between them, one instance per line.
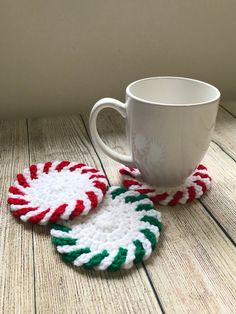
x=52 y=190
x=107 y=223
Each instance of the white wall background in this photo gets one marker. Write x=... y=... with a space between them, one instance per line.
x=61 y=56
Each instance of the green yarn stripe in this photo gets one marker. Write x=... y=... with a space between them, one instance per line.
x=132 y=199
x=71 y=256
x=139 y=251
x=144 y=207
x=63 y=241
x=119 y=260
x=60 y=227
x=96 y=260
x=153 y=221
x=150 y=236
x=117 y=192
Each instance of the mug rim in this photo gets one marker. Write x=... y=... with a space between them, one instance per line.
x=130 y=94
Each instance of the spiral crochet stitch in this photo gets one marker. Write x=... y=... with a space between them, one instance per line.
x=47 y=192
x=123 y=230
x=194 y=186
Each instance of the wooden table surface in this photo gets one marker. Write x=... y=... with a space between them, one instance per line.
x=194 y=268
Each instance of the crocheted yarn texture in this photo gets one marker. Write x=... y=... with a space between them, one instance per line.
x=56 y=190
x=194 y=186
x=123 y=230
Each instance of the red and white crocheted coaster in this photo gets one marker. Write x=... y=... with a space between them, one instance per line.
x=194 y=186
x=56 y=190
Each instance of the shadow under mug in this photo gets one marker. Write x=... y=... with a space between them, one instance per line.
x=170 y=121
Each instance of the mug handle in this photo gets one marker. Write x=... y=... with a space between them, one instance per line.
x=122 y=109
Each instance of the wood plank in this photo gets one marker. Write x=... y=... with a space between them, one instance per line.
x=225 y=132
x=16 y=246
x=193 y=271
x=221 y=199
x=64 y=289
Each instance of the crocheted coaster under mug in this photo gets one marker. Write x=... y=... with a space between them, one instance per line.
x=56 y=190
x=123 y=230
x=193 y=187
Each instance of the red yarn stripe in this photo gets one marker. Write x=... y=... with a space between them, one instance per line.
x=100 y=185
x=47 y=166
x=131 y=169
x=93 y=198
x=80 y=165
x=23 y=211
x=22 y=180
x=97 y=176
x=145 y=191
x=62 y=165
x=159 y=197
x=33 y=172
x=35 y=219
x=128 y=183
x=17 y=201
x=201 y=167
x=178 y=195
x=92 y=170
x=78 y=209
x=191 y=194
x=202 y=184
x=126 y=172
x=202 y=175
x=15 y=191
x=58 y=212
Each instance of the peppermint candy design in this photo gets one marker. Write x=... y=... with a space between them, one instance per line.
x=194 y=187
x=56 y=190
x=123 y=230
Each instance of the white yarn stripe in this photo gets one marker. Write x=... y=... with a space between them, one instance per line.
x=53 y=166
x=129 y=257
x=26 y=174
x=40 y=168
x=21 y=197
x=69 y=248
x=198 y=190
x=106 y=262
x=30 y=214
x=60 y=234
x=185 y=197
x=69 y=209
x=17 y=207
x=84 y=258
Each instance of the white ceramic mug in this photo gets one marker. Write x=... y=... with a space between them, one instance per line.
x=170 y=121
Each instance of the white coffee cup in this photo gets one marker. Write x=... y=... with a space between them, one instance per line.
x=170 y=121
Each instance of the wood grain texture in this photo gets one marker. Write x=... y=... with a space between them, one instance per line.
x=16 y=248
x=194 y=270
x=225 y=132
x=221 y=199
x=64 y=289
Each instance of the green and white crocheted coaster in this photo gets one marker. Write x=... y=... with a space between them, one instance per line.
x=123 y=230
